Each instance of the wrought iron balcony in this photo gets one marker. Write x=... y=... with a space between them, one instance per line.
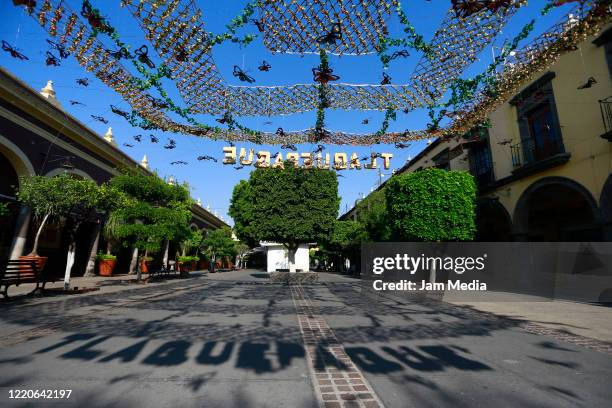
x=605 y=105
x=529 y=151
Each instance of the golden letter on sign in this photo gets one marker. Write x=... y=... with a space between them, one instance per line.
x=278 y=163
x=325 y=165
x=230 y=155
x=307 y=160
x=339 y=161
x=355 y=164
x=386 y=159
x=263 y=159
x=248 y=161
x=373 y=163
x=294 y=157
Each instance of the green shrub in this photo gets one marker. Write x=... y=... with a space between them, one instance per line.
x=432 y=205
x=187 y=258
x=105 y=257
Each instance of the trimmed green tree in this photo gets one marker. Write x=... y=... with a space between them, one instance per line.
x=219 y=245
x=345 y=242
x=291 y=206
x=159 y=211
x=61 y=198
x=432 y=205
x=372 y=214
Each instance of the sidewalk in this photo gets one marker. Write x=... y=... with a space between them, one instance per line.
x=105 y=284
x=582 y=319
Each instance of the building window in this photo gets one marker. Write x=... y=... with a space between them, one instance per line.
x=481 y=163
x=442 y=160
x=542 y=140
x=538 y=123
x=479 y=155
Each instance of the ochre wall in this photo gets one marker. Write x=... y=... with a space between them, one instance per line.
x=581 y=126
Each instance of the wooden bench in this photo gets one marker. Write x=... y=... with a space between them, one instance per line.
x=18 y=271
x=163 y=273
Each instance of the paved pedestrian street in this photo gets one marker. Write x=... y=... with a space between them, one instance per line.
x=235 y=340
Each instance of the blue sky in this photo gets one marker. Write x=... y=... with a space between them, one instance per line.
x=213 y=182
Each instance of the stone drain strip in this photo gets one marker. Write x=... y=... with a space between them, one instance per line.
x=586 y=342
x=337 y=381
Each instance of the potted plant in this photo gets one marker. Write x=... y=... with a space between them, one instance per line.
x=144 y=263
x=184 y=263
x=106 y=263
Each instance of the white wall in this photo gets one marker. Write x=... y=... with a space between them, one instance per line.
x=278 y=257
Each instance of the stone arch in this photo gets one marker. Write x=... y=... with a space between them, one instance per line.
x=59 y=170
x=18 y=159
x=14 y=164
x=557 y=209
x=493 y=222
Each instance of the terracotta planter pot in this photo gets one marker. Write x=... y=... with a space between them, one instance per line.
x=106 y=267
x=194 y=266
x=144 y=266
x=41 y=261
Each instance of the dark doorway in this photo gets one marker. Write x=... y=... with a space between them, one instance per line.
x=493 y=223
x=557 y=209
x=9 y=184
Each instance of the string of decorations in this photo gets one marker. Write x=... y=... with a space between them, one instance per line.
x=582 y=21
x=463 y=90
x=141 y=58
x=413 y=40
x=148 y=110
x=204 y=91
x=237 y=22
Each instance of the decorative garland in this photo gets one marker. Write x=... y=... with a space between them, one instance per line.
x=390 y=114
x=237 y=22
x=154 y=80
x=493 y=87
x=414 y=39
x=463 y=90
x=323 y=97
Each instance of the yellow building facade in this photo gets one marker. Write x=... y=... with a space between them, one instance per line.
x=550 y=161
x=544 y=165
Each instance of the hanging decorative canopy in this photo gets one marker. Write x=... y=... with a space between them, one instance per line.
x=176 y=32
x=350 y=27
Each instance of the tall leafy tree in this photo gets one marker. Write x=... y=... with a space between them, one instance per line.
x=109 y=199
x=158 y=211
x=432 y=205
x=292 y=206
x=242 y=212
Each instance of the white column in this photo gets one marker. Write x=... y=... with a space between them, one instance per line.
x=21 y=232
